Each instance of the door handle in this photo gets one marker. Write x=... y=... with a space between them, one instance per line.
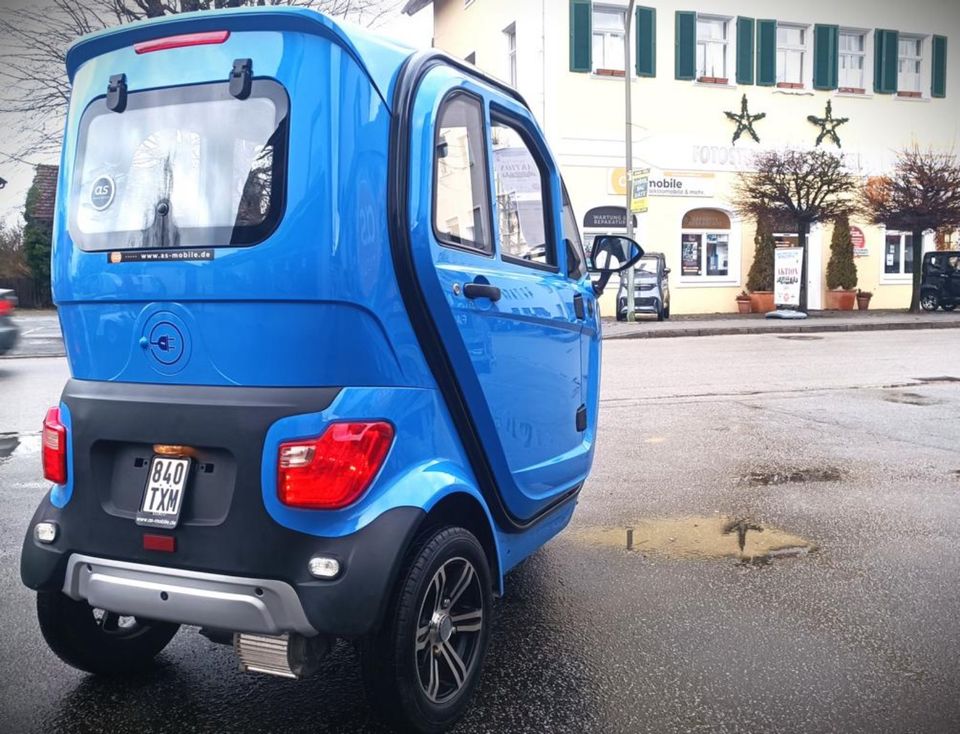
x=578 y=306
x=482 y=290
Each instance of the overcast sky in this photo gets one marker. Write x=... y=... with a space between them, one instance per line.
x=416 y=31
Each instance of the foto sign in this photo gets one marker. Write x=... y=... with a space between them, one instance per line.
x=787 y=267
x=639 y=188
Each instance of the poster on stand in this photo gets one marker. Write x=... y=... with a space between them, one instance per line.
x=788 y=265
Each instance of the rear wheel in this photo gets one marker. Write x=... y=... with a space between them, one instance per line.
x=421 y=668
x=98 y=641
x=928 y=301
x=621 y=312
x=666 y=312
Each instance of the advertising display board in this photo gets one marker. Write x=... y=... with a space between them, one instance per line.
x=787 y=268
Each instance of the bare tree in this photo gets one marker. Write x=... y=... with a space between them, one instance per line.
x=922 y=193
x=13 y=261
x=33 y=42
x=797 y=186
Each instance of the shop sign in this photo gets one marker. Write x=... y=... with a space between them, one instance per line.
x=788 y=264
x=517 y=171
x=638 y=190
x=683 y=184
x=607 y=217
x=859 y=242
x=617 y=182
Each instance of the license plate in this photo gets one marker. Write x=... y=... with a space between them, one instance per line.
x=163 y=496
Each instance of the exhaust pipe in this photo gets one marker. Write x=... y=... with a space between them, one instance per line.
x=290 y=655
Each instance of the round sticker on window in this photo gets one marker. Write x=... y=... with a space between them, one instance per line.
x=101 y=196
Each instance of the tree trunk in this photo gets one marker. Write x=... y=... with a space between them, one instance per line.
x=917 y=269
x=802 y=242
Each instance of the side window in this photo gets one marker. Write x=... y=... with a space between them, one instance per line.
x=518 y=182
x=576 y=259
x=461 y=210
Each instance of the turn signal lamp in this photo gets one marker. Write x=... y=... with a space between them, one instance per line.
x=187 y=39
x=54 y=448
x=332 y=471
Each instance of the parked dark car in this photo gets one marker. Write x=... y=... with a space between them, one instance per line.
x=940 y=281
x=651 y=288
x=8 y=330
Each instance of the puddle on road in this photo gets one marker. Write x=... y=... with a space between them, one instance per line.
x=789 y=476
x=701 y=537
x=21 y=444
x=910 y=398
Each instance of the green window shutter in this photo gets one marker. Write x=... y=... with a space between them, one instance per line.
x=766 y=53
x=581 y=37
x=685 y=57
x=938 y=85
x=826 y=51
x=885 y=48
x=744 y=50
x=646 y=41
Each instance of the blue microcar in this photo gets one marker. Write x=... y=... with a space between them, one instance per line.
x=334 y=354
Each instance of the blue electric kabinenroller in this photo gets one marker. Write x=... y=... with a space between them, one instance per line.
x=334 y=351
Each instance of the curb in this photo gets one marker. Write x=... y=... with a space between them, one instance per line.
x=786 y=328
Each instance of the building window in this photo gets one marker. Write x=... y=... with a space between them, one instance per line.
x=712 y=49
x=461 y=209
x=705 y=245
x=518 y=183
x=608 y=25
x=511 y=37
x=909 y=58
x=791 y=55
x=898 y=254
x=852 y=55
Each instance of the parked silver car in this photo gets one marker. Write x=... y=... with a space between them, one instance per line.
x=8 y=330
x=651 y=288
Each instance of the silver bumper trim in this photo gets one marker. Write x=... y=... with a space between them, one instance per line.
x=235 y=603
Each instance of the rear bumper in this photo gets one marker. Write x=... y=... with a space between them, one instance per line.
x=291 y=600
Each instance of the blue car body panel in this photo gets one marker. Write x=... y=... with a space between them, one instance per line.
x=318 y=302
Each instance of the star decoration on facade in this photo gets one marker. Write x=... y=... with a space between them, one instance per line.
x=828 y=125
x=745 y=121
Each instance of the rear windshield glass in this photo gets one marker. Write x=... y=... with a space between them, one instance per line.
x=181 y=167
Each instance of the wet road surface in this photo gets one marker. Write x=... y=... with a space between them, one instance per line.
x=850 y=443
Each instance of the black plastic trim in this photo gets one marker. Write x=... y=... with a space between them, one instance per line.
x=432 y=346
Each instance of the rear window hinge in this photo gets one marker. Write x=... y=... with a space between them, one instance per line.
x=241 y=78
x=117 y=93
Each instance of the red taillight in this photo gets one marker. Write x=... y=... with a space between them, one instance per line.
x=54 y=448
x=6 y=307
x=187 y=39
x=331 y=471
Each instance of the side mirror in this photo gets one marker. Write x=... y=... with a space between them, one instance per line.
x=612 y=254
x=666 y=271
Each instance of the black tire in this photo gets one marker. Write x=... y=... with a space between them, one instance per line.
x=621 y=313
x=929 y=301
x=99 y=642
x=660 y=312
x=416 y=646
x=666 y=312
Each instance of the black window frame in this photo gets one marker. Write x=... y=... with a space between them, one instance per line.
x=244 y=236
x=580 y=253
x=518 y=125
x=445 y=239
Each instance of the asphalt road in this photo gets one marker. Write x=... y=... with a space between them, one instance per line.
x=846 y=442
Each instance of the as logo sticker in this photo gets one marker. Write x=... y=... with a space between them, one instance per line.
x=101 y=195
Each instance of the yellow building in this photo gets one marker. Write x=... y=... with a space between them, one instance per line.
x=884 y=66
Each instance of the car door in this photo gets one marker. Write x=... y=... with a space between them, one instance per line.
x=493 y=274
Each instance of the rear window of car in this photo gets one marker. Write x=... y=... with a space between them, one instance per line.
x=181 y=167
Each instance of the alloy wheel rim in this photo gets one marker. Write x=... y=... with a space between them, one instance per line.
x=449 y=625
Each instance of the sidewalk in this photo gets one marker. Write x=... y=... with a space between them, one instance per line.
x=817 y=322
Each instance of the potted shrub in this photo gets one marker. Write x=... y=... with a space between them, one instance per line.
x=863 y=299
x=841 y=270
x=760 y=278
x=743 y=302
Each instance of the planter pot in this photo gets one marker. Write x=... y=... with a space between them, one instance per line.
x=743 y=306
x=863 y=302
x=839 y=300
x=762 y=301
